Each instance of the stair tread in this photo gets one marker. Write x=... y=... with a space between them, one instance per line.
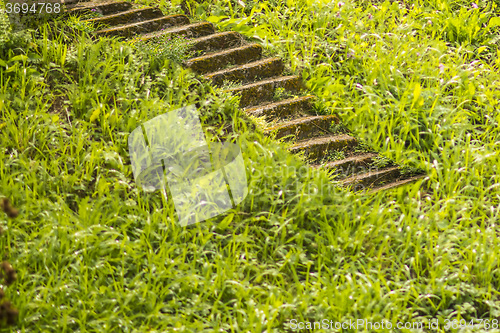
x=217 y=34
x=301 y=120
x=216 y=41
x=322 y=140
x=285 y=109
x=270 y=80
x=255 y=109
x=215 y=61
x=243 y=66
x=355 y=158
x=398 y=183
x=223 y=52
x=79 y=6
x=123 y=13
x=367 y=175
x=255 y=93
x=303 y=128
x=173 y=30
x=248 y=72
x=136 y=24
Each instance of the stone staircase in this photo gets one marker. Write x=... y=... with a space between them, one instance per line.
x=227 y=57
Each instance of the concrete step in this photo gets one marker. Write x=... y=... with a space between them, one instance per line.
x=373 y=178
x=130 y=30
x=190 y=31
x=263 y=91
x=351 y=165
x=400 y=183
x=127 y=17
x=216 y=61
x=260 y=69
x=286 y=109
x=317 y=148
x=103 y=8
x=216 y=42
x=303 y=128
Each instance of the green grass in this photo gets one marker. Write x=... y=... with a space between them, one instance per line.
x=334 y=156
x=173 y=48
x=96 y=254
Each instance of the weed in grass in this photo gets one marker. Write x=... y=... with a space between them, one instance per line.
x=260 y=122
x=78 y=24
x=90 y=14
x=363 y=147
x=279 y=94
x=407 y=170
x=334 y=156
x=173 y=48
x=318 y=108
x=227 y=85
x=338 y=128
x=382 y=162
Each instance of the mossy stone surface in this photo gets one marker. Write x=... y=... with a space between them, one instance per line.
x=215 y=61
x=130 y=16
x=304 y=128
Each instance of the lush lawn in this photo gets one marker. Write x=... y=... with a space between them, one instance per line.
x=418 y=80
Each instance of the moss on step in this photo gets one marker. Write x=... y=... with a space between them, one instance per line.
x=350 y=165
x=127 y=17
x=256 y=93
x=157 y=24
x=104 y=8
x=194 y=30
x=217 y=42
x=286 y=109
x=249 y=72
x=318 y=148
x=304 y=128
x=372 y=178
x=213 y=62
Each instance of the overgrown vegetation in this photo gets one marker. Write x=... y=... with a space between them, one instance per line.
x=173 y=48
x=416 y=79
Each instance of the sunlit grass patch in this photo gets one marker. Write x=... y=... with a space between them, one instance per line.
x=95 y=253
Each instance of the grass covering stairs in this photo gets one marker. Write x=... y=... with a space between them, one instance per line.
x=225 y=58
